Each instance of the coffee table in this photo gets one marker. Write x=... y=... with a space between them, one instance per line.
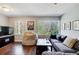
x=43 y=45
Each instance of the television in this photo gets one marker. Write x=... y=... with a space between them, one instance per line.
x=5 y=30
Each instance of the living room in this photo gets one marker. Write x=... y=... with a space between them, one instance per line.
x=29 y=23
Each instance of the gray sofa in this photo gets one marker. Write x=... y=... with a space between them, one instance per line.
x=57 y=44
x=57 y=53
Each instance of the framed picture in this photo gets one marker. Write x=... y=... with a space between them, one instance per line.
x=67 y=26
x=75 y=25
x=30 y=25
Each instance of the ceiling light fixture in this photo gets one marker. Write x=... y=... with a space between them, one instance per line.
x=6 y=8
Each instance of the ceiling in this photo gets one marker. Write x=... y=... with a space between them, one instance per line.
x=36 y=9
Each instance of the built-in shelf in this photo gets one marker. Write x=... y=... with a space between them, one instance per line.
x=6 y=39
x=6 y=35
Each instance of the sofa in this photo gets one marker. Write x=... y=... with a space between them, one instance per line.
x=57 y=53
x=64 y=44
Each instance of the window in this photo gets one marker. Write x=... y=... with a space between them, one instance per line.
x=19 y=27
x=47 y=27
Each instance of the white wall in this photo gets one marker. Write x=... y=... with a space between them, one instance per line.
x=70 y=16
x=3 y=20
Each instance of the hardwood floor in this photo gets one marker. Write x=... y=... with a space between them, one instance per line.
x=17 y=49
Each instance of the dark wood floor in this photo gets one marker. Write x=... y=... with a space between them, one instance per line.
x=17 y=49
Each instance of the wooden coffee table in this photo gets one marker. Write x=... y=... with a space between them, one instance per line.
x=43 y=45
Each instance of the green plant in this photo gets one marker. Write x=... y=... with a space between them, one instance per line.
x=43 y=30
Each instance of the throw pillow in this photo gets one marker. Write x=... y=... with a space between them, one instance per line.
x=76 y=46
x=70 y=42
x=61 y=37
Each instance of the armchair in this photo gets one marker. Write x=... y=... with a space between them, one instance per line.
x=29 y=38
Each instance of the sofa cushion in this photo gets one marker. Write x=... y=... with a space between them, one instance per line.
x=70 y=42
x=57 y=53
x=76 y=46
x=63 y=48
